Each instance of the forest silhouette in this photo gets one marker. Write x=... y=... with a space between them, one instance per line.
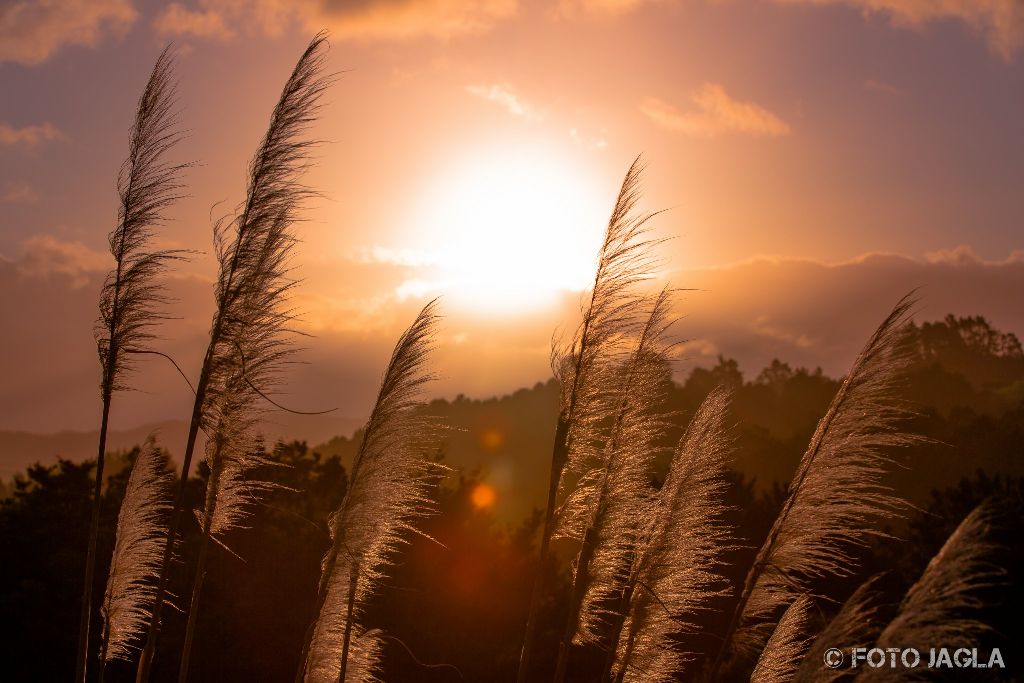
x=460 y=602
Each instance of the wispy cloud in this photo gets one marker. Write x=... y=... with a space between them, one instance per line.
x=611 y=8
x=31 y=31
x=45 y=255
x=18 y=193
x=355 y=19
x=208 y=23
x=1000 y=21
x=715 y=113
x=598 y=142
x=28 y=135
x=506 y=97
x=882 y=86
x=398 y=19
x=963 y=255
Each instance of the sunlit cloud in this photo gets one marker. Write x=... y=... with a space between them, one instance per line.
x=813 y=313
x=763 y=326
x=882 y=86
x=715 y=113
x=45 y=255
x=397 y=19
x=610 y=8
x=506 y=97
x=28 y=135
x=208 y=23
x=362 y=19
x=32 y=31
x=18 y=193
x=411 y=258
x=963 y=255
x=598 y=142
x=1000 y=21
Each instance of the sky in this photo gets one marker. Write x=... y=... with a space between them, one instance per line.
x=813 y=161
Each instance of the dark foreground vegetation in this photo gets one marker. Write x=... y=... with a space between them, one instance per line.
x=454 y=609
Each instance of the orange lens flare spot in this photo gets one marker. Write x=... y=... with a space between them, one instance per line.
x=483 y=495
x=491 y=439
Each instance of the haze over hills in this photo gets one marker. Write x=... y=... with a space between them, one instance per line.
x=967 y=386
x=19 y=449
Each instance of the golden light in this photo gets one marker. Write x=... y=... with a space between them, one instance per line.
x=491 y=439
x=509 y=229
x=483 y=496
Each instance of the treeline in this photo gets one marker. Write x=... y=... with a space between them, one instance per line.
x=458 y=602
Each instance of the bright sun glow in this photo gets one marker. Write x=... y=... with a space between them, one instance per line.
x=483 y=495
x=506 y=231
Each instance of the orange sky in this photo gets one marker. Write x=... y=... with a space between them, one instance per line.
x=818 y=158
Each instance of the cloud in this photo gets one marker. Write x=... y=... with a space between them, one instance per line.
x=32 y=31
x=397 y=19
x=18 y=193
x=1000 y=21
x=964 y=256
x=28 y=135
x=596 y=142
x=178 y=20
x=346 y=19
x=505 y=97
x=802 y=311
x=882 y=86
x=45 y=255
x=811 y=313
x=608 y=8
x=716 y=113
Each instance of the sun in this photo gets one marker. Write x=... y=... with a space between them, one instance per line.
x=507 y=230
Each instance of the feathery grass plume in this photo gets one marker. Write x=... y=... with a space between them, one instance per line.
x=147 y=185
x=135 y=564
x=786 y=646
x=855 y=625
x=234 y=456
x=944 y=606
x=234 y=453
x=586 y=368
x=606 y=509
x=837 y=497
x=247 y=331
x=387 y=494
x=678 y=567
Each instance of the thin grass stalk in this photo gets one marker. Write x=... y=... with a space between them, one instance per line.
x=946 y=605
x=579 y=588
x=611 y=510
x=855 y=625
x=787 y=645
x=353 y=586
x=134 y=564
x=231 y=493
x=856 y=456
x=623 y=259
x=677 y=568
x=147 y=185
x=200 y=576
x=85 y=618
x=272 y=201
x=387 y=493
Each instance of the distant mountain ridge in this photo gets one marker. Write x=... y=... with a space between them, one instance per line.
x=20 y=449
x=967 y=384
